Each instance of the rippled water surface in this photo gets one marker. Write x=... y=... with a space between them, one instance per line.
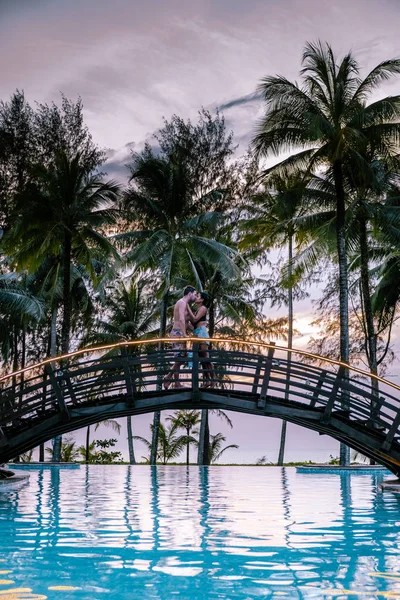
x=224 y=532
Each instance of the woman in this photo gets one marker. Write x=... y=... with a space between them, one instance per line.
x=199 y=322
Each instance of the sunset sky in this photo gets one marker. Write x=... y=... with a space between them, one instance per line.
x=135 y=62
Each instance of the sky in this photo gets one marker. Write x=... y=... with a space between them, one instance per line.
x=135 y=62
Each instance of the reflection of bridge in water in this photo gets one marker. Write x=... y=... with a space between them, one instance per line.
x=66 y=393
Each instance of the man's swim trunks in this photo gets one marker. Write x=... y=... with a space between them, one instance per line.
x=179 y=348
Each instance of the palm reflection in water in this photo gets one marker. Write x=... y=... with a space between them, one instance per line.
x=203 y=531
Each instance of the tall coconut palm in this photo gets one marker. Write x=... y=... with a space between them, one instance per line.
x=372 y=230
x=174 y=231
x=328 y=123
x=273 y=225
x=232 y=309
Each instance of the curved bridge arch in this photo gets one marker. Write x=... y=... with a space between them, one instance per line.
x=68 y=392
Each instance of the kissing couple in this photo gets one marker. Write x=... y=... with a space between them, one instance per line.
x=186 y=322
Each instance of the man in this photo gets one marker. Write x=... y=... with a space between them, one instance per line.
x=179 y=330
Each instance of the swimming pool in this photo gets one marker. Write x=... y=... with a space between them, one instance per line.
x=222 y=532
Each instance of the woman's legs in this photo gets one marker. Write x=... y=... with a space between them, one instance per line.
x=208 y=373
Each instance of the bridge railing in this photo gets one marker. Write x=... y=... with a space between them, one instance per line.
x=265 y=373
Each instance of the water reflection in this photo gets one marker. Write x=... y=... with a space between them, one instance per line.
x=201 y=533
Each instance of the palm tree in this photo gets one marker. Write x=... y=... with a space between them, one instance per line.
x=47 y=284
x=187 y=420
x=130 y=315
x=173 y=231
x=64 y=214
x=88 y=456
x=129 y=312
x=328 y=122
x=272 y=226
x=371 y=233
x=69 y=451
x=203 y=457
x=71 y=207
x=170 y=444
x=17 y=301
x=215 y=451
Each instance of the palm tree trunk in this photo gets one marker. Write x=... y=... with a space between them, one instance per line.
x=132 y=459
x=57 y=441
x=66 y=323
x=290 y=344
x=53 y=331
x=23 y=356
x=15 y=358
x=15 y=368
x=163 y=314
x=369 y=318
x=203 y=456
x=67 y=301
x=200 y=449
x=157 y=413
x=367 y=304
x=154 y=437
x=343 y=288
x=187 y=447
x=207 y=454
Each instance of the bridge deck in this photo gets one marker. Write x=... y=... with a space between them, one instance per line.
x=66 y=393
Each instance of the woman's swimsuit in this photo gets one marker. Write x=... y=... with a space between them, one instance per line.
x=201 y=331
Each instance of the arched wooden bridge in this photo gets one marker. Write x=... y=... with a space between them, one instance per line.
x=68 y=392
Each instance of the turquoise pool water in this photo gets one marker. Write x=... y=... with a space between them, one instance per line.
x=219 y=533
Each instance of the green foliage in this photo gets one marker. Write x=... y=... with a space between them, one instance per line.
x=335 y=198
x=216 y=450
x=263 y=461
x=170 y=442
x=99 y=452
x=26 y=457
x=103 y=455
x=69 y=451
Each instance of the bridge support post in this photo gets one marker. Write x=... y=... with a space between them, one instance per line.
x=63 y=408
x=266 y=378
x=318 y=388
x=3 y=438
x=387 y=444
x=326 y=417
x=57 y=390
x=195 y=373
x=129 y=377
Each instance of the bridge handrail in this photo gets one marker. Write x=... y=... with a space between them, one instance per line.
x=218 y=340
x=60 y=393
